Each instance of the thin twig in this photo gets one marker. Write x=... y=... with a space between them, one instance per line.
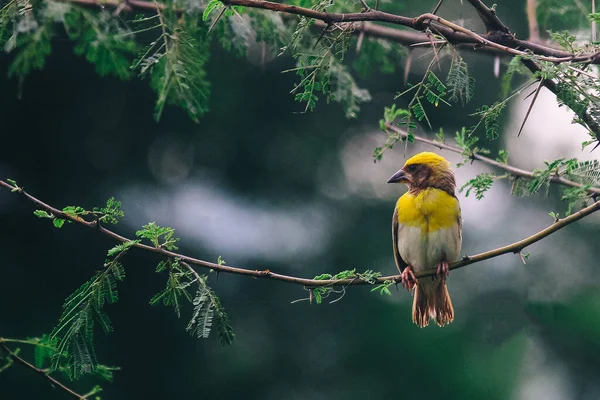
x=515 y=248
x=13 y=356
x=517 y=172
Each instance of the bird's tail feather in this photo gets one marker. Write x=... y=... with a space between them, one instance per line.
x=432 y=302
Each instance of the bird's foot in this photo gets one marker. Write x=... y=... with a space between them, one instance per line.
x=442 y=270
x=409 y=280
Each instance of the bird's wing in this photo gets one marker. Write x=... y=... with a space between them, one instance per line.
x=400 y=263
x=459 y=224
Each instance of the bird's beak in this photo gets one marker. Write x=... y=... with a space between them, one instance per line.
x=398 y=177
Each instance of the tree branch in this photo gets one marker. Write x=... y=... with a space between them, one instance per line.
x=489 y=17
x=517 y=172
x=499 y=40
x=515 y=248
x=534 y=30
x=13 y=356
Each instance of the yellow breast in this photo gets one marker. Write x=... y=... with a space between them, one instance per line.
x=430 y=209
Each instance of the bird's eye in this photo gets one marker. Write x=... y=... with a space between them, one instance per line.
x=411 y=168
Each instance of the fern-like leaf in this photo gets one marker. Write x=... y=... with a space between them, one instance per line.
x=74 y=332
x=479 y=185
x=176 y=63
x=208 y=310
x=202 y=317
x=31 y=51
x=586 y=173
x=176 y=290
x=514 y=66
x=461 y=86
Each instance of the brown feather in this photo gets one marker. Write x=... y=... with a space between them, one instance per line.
x=444 y=312
x=432 y=300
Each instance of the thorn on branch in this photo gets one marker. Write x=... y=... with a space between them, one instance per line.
x=407 y=65
x=437 y=7
x=524 y=257
x=322 y=34
x=216 y=20
x=537 y=91
x=360 y=39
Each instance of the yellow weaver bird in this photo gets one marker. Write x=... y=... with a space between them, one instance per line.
x=426 y=232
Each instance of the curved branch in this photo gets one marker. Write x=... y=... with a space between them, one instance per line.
x=515 y=248
x=15 y=357
x=518 y=172
x=499 y=38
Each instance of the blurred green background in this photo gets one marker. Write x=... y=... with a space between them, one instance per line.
x=266 y=187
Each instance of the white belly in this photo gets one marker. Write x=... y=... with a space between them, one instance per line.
x=424 y=251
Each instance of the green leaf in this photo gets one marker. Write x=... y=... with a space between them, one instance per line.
x=42 y=214
x=159 y=236
x=586 y=172
x=120 y=248
x=491 y=118
x=202 y=317
x=384 y=287
x=178 y=284
x=480 y=184
x=208 y=311
x=439 y=136
x=514 y=66
x=461 y=86
x=541 y=177
x=74 y=211
x=575 y=196
x=564 y=39
x=102 y=44
x=58 y=222
x=210 y=7
x=368 y=276
x=323 y=277
x=111 y=213
x=176 y=62
x=81 y=311
x=502 y=156
x=32 y=48
x=43 y=351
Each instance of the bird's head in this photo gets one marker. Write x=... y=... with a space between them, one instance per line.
x=426 y=170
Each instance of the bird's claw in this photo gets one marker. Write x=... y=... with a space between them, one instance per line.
x=409 y=280
x=442 y=270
